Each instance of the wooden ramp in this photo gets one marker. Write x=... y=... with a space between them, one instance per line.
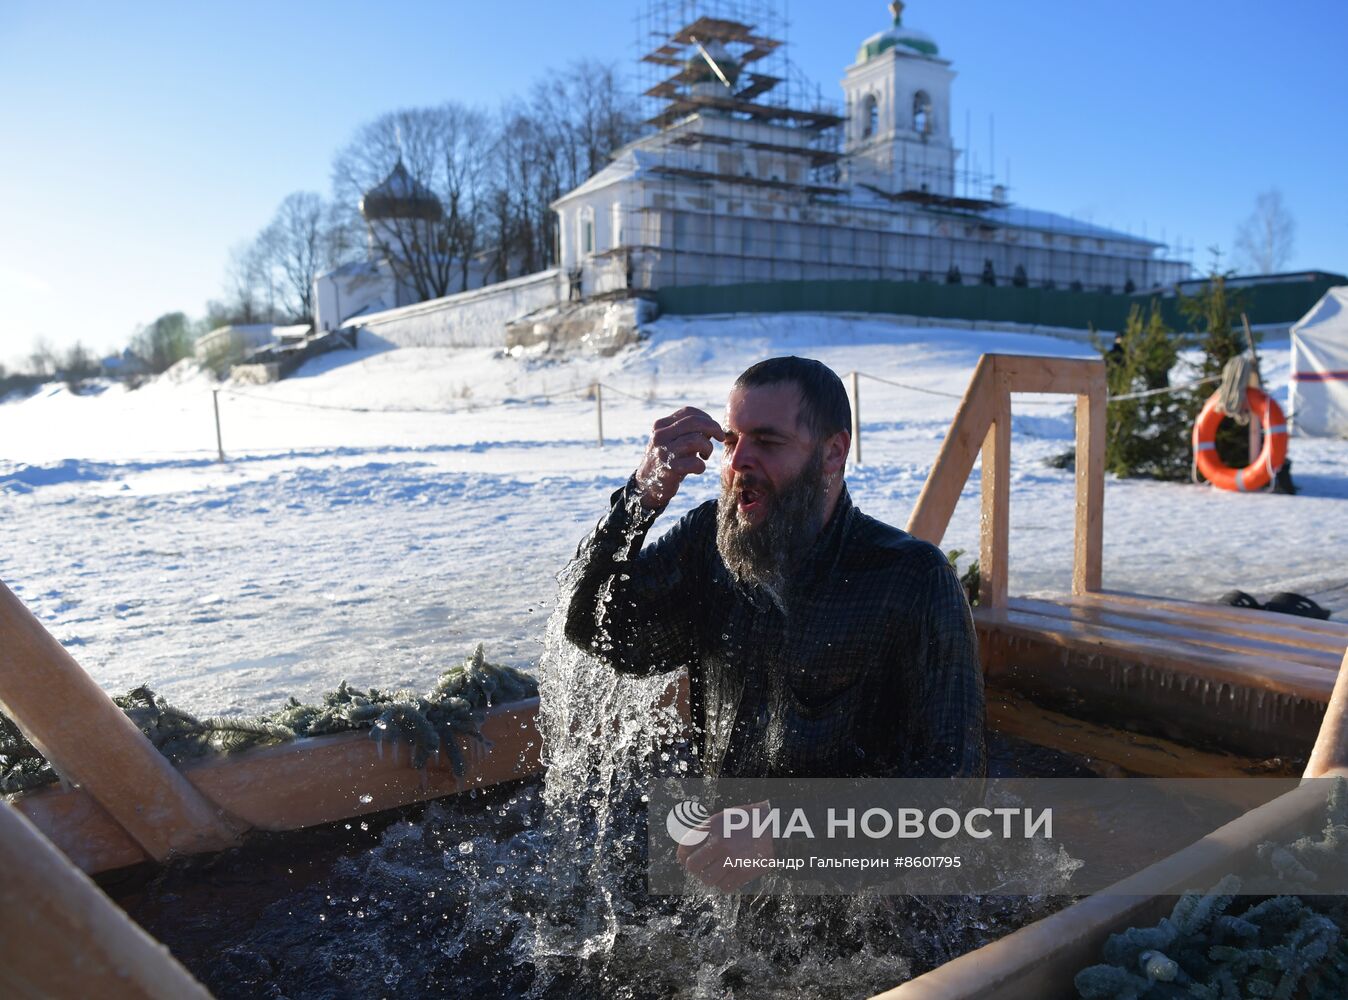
x=1223 y=678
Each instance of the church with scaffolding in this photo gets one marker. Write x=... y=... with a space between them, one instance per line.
x=746 y=177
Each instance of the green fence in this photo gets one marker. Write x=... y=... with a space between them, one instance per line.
x=1272 y=303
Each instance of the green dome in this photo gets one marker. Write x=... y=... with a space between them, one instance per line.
x=897 y=37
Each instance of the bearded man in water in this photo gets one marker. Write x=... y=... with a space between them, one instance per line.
x=819 y=641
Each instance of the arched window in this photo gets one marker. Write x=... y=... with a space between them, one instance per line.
x=587 y=230
x=922 y=122
x=870 y=116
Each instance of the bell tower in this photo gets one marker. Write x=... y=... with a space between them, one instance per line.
x=897 y=134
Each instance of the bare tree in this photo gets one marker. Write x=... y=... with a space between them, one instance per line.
x=304 y=239
x=1264 y=240
x=79 y=363
x=568 y=130
x=445 y=151
x=250 y=288
x=42 y=358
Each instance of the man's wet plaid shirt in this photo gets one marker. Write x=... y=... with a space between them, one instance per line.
x=871 y=671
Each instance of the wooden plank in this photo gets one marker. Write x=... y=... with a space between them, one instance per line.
x=89 y=740
x=1250 y=615
x=305 y=783
x=1214 y=638
x=64 y=938
x=329 y=778
x=1296 y=679
x=995 y=522
x=1152 y=756
x=941 y=491
x=80 y=828
x=1272 y=627
x=1053 y=375
x=1331 y=745
x=1089 y=533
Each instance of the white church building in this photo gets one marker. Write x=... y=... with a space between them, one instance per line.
x=737 y=182
x=733 y=189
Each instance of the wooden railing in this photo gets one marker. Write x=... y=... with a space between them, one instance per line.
x=983 y=421
x=93 y=744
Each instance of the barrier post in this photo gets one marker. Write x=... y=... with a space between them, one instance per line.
x=219 y=443
x=856 y=418
x=599 y=410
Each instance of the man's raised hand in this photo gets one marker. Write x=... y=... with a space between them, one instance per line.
x=680 y=446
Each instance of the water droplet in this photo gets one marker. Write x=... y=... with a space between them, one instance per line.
x=466 y=847
x=366 y=799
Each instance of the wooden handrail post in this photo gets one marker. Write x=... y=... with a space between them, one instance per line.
x=1331 y=745
x=64 y=938
x=89 y=740
x=984 y=419
x=995 y=518
x=931 y=514
x=1089 y=540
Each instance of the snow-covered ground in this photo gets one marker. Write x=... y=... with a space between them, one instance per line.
x=342 y=541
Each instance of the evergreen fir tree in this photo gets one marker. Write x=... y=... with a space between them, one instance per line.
x=1148 y=436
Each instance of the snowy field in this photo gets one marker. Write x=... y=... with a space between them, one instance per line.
x=382 y=546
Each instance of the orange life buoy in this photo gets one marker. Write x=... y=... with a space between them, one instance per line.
x=1261 y=471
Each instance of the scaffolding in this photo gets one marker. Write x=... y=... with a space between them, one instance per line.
x=743 y=178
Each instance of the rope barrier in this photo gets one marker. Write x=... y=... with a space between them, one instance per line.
x=234 y=394
x=913 y=388
x=577 y=391
x=1165 y=389
x=595 y=390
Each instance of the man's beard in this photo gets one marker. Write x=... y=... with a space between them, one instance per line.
x=766 y=554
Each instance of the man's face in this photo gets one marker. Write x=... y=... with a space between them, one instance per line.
x=772 y=486
x=766 y=448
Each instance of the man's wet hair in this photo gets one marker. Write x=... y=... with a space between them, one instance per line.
x=824 y=407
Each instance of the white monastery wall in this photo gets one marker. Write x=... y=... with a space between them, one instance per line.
x=476 y=318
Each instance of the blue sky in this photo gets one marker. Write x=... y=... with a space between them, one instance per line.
x=139 y=141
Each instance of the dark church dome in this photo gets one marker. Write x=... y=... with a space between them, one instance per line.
x=400 y=196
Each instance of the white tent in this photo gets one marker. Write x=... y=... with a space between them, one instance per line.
x=1319 y=391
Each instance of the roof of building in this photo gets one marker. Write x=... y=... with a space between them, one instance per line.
x=1033 y=218
x=899 y=37
x=400 y=196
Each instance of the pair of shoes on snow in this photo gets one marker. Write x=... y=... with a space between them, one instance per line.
x=1283 y=603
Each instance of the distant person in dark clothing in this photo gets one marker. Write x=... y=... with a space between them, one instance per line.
x=819 y=642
